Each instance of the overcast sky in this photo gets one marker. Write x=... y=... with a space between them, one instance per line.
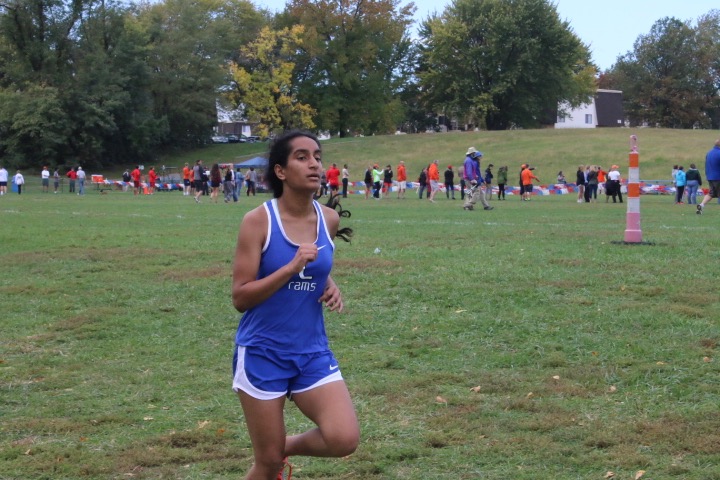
x=609 y=27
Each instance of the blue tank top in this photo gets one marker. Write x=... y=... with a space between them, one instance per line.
x=291 y=320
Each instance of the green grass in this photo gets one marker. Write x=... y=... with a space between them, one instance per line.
x=590 y=357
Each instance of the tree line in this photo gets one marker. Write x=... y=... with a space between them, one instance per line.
x=104 y=82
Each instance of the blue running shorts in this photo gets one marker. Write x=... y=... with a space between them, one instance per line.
x=267 y=374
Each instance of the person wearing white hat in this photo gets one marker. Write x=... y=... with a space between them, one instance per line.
x=472 y=177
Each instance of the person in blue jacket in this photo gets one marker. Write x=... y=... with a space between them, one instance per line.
x=281 y=281
x=680 y=185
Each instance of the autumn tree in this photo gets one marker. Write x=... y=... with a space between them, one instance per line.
x=262 y=84
x=503 y=63
x=666 y=79
x=353 y=62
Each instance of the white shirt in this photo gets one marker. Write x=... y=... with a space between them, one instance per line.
x=614 y=175
x=19 y=179
x=81 y=174
x=3 y=175
x=45 y=174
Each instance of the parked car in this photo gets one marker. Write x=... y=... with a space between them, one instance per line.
x=253 y=138
x=233 y=139
x=219 y=139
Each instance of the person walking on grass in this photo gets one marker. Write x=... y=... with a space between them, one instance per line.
x=712 y=173
x=281 y=280
x=471 y=174
x=56 y=180
x=694 y=181
x=368 y=182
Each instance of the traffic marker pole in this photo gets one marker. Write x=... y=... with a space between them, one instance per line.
x=633 y=232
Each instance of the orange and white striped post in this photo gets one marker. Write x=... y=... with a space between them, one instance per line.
x=633 y=232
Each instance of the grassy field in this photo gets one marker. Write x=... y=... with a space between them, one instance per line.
x=518 y=343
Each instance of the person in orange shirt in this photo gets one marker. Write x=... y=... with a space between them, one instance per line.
x=527 y=177
x=602 y=177
x=186 y=180
x=434 y=179
x=136 y=176
x=401 y=179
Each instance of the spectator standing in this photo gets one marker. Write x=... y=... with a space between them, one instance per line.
x=377 y=180
x=712 y=174
x=592 y=184
x=694 y=181
x=19 y=181
x=345 y=180
x=3 y=180
x=488 y=182
x=56 y=180
x=387 y=181
x=471 y=174
x=333 y=178
x=680 y=181
x=152 y=178
x=502 y=181
x=449 y=182
x=527 y=177
x=434 y=179
x=580 y=183
x=126 y=180
x=422 y=183
x=198 y=174
x=251 y=181
x=72 y=176
x=215 y=181
x=614 y=185
x=81 y=181
x=136 y=176
x=368 y=182
x=602 y=178
x=401 y=179
x=187 y=173
x=45 y=179
x=229 y=184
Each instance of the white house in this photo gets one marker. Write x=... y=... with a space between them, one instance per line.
x=605 y=110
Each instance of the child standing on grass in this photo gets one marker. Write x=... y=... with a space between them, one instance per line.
x=281 y=278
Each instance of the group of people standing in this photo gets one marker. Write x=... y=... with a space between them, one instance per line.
x=198 y=181
x=591 y=179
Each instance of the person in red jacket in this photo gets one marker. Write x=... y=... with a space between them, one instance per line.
x=152 y=177
x=333 y=178
x=136 y=175
x=72 y=175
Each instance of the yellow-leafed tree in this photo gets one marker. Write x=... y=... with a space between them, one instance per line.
x=262 y=82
